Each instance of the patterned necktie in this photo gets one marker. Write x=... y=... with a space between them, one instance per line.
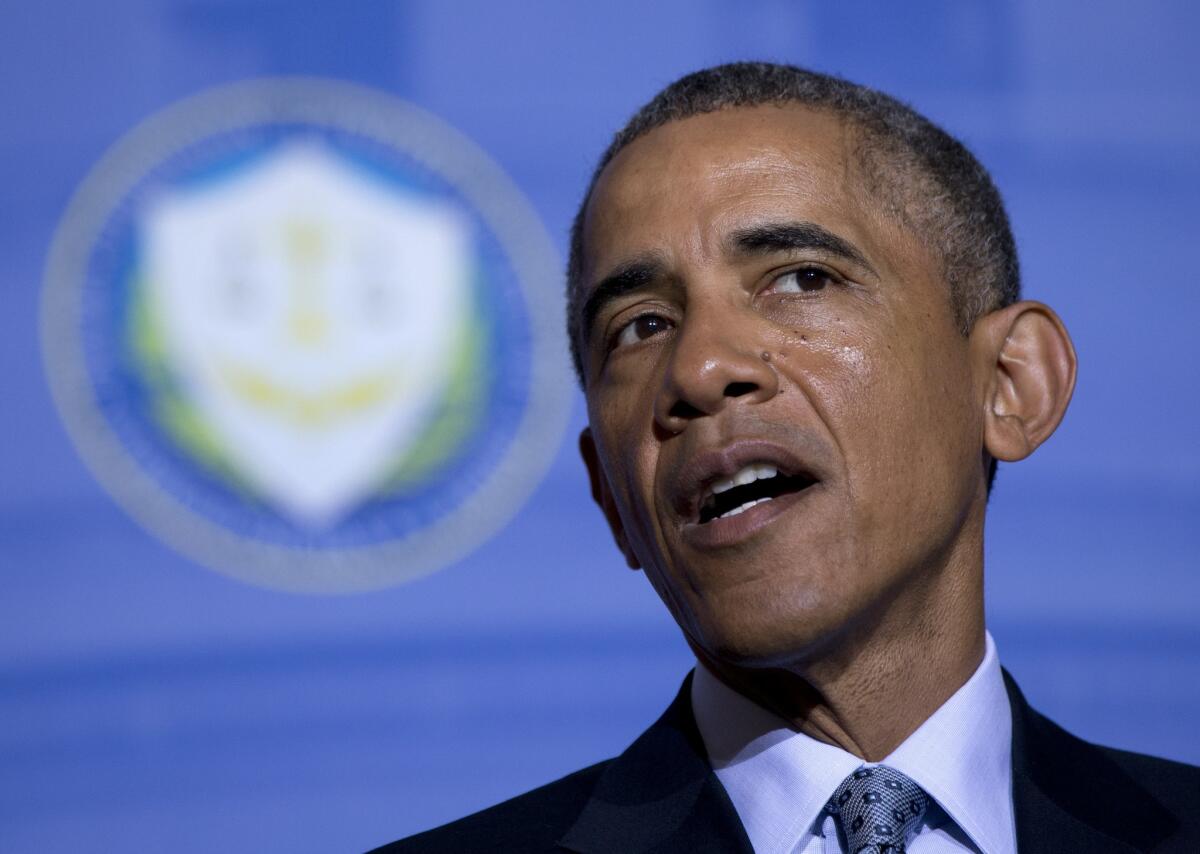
x=878 y=810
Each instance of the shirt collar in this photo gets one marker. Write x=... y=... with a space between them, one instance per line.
x=779 y=780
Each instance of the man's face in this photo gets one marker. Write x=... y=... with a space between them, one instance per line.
x=787 y=430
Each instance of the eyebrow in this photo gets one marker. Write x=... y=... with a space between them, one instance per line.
x=785 y=236
x=638 y=273
x=633 y=275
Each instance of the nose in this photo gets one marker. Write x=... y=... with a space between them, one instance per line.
x=715 y=361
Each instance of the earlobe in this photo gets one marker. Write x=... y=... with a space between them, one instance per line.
x=602 y=495
x=1030 y=365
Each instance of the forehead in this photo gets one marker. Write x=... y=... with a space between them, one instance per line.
x=680 y=188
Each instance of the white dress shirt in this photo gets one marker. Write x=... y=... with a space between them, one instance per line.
x=779 y=780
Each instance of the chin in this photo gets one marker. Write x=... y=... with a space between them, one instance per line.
x=763 y=638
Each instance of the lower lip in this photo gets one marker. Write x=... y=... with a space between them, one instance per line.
x=734 y=530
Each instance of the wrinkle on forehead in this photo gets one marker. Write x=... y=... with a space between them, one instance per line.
x=719 y=171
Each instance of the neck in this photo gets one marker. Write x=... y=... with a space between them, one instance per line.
x=873 y=687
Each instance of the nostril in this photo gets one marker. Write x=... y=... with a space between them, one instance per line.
x=739 y=389
x=684 y=410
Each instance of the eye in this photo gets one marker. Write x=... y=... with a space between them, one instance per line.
x=640 y=328
x=804 y=280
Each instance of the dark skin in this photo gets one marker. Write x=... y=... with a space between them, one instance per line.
x=750 y=304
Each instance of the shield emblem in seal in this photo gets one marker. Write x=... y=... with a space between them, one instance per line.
x=308 y=335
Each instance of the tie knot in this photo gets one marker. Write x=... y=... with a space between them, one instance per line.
x=878 y=810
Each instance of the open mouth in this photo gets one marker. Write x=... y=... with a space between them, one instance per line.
x=751 y=485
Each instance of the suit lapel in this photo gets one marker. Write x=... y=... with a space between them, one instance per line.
x=660 y=796
x=1069 y=796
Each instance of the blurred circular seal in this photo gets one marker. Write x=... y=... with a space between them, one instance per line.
x=307 y=334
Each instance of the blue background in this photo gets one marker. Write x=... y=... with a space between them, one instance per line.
x=148 y=704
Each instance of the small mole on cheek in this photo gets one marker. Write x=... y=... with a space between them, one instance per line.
x=766 y=357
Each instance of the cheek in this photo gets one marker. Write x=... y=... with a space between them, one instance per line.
x=637 y=503
x=624 y=429
x=915 y=449
x=898 y=409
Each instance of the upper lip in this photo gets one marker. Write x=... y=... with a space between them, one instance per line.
x=690 y=483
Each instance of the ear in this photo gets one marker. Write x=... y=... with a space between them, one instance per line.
x=603 y=496
x=1027 y=365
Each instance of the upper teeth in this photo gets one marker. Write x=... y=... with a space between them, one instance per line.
x=748 y=474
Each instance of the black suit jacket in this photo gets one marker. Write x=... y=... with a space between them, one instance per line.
x=662 y=796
